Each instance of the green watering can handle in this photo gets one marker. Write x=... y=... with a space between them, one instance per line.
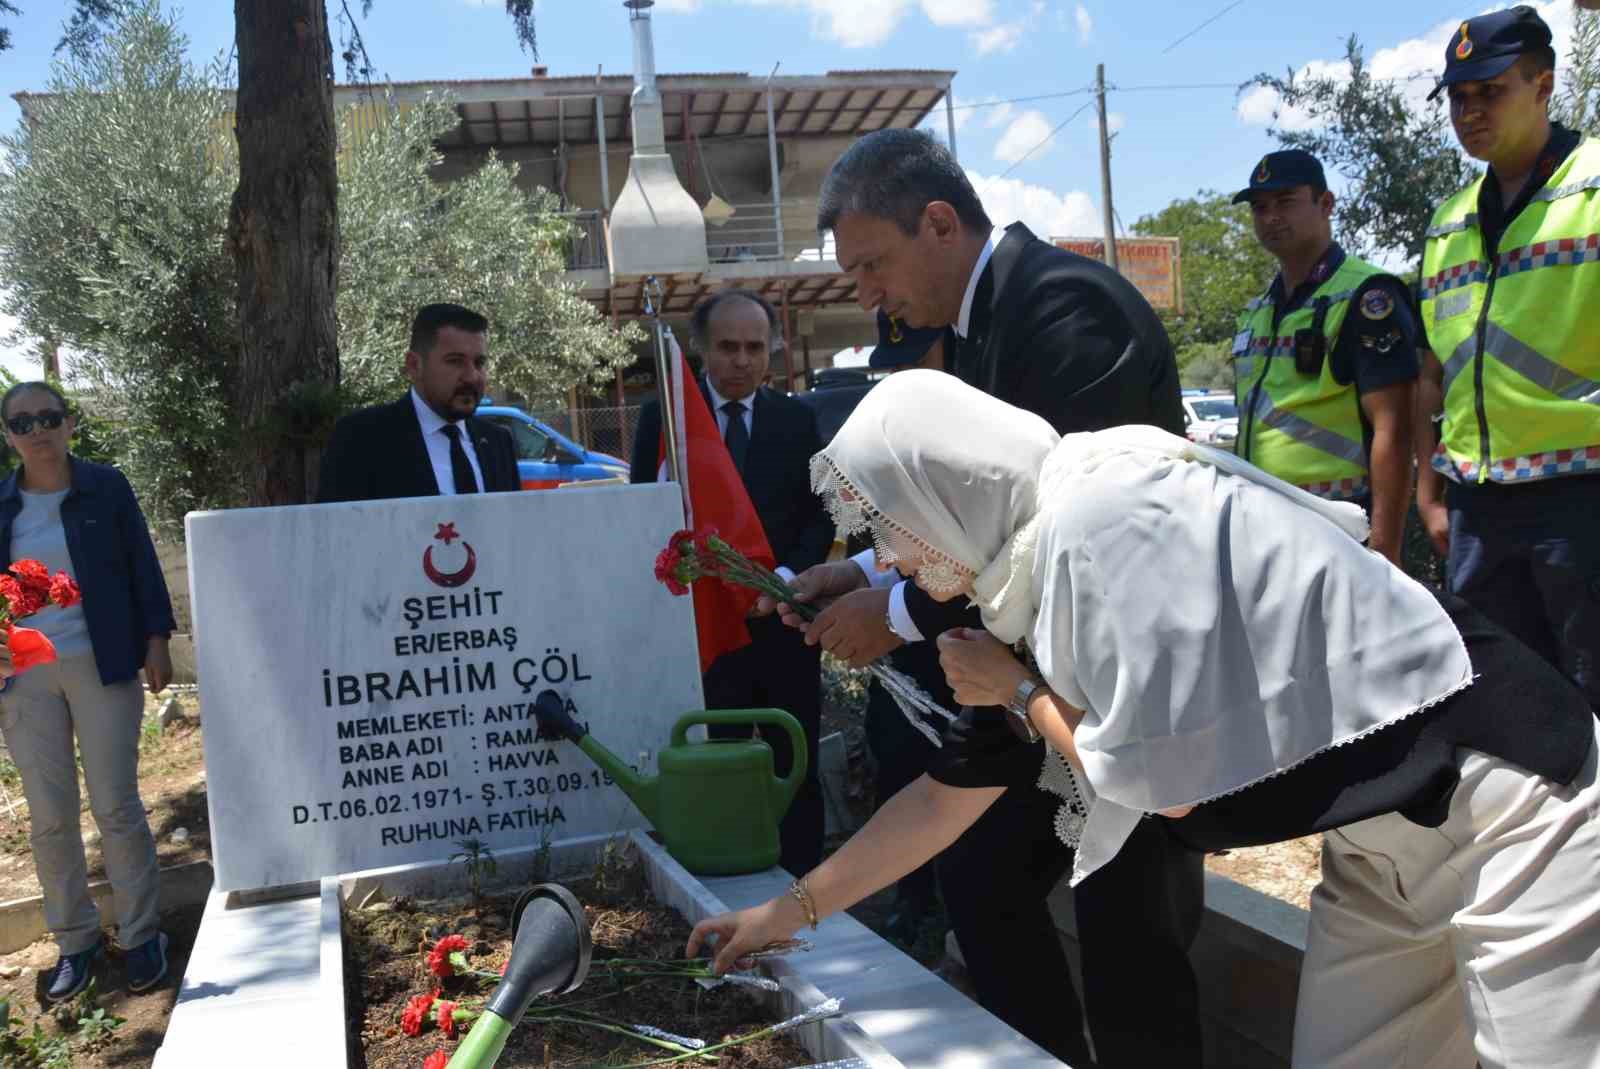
x=789 y=784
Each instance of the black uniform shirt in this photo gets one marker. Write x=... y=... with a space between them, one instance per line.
x=1377 y=344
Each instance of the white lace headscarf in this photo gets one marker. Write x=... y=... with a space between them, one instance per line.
x=935 y=466
x=1216 y=625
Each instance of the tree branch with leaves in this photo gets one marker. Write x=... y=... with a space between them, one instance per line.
x=1401 y=160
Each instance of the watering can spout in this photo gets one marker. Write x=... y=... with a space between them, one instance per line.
x=554 y=720
x=642 y=791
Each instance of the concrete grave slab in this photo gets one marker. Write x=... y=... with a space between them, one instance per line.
x=369 y=671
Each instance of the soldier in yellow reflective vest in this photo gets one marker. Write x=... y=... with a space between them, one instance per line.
x=1511 y=306
x=1325 y=362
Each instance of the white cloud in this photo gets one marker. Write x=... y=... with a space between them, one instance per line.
x=1002 y=38
x=998 y=114
x=681 y=7
x=866 y=23
x=1415 y=62
x=19 y=359
x=957 y=12
x=1084 y=23
x=1025 y=132
x=1043 y=210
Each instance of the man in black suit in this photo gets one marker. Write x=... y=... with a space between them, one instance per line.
x=771 y=438
x=1071 y=340
x=428 y=442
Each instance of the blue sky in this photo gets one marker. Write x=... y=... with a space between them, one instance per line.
x=1170 y=143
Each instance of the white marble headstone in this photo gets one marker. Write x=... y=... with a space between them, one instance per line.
x=368 y=671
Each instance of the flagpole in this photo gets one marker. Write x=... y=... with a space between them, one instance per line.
x=669 y=421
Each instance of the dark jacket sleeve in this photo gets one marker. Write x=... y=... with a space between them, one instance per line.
x=503 y=475
x=152 y=603
x=645 y=460
x=934 y=618
x=814 y=536
x=344 y=475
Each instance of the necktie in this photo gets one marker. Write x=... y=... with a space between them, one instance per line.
x=736 y=437
x=460 y=466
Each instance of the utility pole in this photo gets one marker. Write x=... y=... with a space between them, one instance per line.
x=1105 y=167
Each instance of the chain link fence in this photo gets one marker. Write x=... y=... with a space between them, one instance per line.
x=605 y=430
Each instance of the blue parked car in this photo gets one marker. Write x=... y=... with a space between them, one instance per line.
x=546 y=458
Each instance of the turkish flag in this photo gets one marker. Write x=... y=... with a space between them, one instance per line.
x=714 y=497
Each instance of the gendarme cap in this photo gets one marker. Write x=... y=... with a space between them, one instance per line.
x=1283 y=170
x=899 y=345
x=1489 y=44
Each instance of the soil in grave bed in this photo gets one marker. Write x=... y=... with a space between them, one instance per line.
x=386 y=947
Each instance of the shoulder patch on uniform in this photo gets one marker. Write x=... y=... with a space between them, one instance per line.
x=1377 y=303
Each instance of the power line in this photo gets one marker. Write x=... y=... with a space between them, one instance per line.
x=1045 y=140
x=1157 y=88
x=1202 y=26
x=1021 y=100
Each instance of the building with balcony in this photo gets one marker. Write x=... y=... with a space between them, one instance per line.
x=748 y=154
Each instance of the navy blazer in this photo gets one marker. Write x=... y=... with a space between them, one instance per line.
x=1068 y=339
x=378 y=453
x=777 y=473
x=125 y=598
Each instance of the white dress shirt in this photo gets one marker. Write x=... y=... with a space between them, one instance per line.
x=964 y=322
x=747 y=407
x=900 y=621
x=438 y=444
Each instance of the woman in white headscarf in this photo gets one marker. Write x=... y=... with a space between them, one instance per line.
x=1199 y=642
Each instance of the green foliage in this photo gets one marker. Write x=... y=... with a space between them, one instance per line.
x=844 y=689
x=88 y=441
x=113 y=207
x=479 y=862
x=1578 y=104
x=86 y=1026
x=1223 y=266
x=1401 y=162
x=113 y=218
x=480 y=241
x=1205 y=366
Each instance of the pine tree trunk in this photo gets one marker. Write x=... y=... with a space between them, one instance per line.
x=284 y=233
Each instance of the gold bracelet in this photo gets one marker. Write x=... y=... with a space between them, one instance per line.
x=803 y=896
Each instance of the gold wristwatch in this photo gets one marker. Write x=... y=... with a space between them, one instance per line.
x=1017 y=710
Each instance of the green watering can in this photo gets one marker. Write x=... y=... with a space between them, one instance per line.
x=717 y=804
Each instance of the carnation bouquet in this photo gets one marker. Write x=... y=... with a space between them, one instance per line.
x=702 y=556
x=26 y=587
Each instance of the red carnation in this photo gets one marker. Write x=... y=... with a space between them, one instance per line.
x=415 y=1015
x=447 y=1017
x=439 y=956
x=11 y=591
x=437 y=1060
x=32 y=574
x=63 y=591
x=666 y=571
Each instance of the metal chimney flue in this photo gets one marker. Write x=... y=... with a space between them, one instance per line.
x=656 y=226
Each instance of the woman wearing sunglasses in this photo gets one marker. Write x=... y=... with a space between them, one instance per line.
x=83 y=518
x=1202 y=643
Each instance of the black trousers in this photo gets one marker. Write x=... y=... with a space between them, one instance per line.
x=902 y=753
x=1136 y=918
x=777 y=670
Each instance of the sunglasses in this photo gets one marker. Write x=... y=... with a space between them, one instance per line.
x=23 y=422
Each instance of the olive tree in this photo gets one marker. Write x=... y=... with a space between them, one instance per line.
x=480 y=241
x=113 y=204
x=1401 y=161
x=114 y=208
